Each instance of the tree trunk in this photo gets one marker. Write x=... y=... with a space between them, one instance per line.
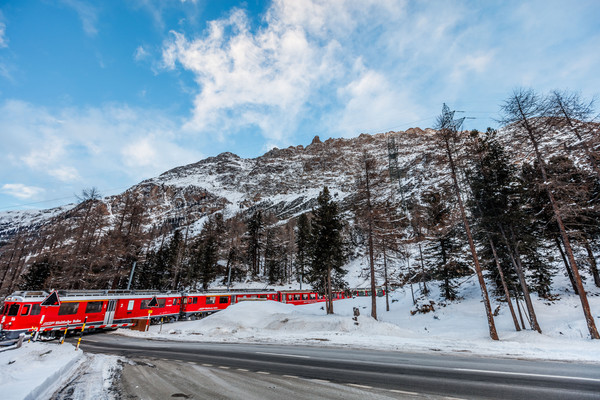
x=329 y=294
x=387 y=288
x=567 y=266
x=593 y=265
x=516 y=261
x=563 y=233
x=484 y=293
x=425 y=290
x=504 y=287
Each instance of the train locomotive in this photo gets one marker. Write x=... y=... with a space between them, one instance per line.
x=91 y=310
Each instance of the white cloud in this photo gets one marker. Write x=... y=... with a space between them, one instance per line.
x=21 y=191
x=267 y=78
x=88 y=14
x=3 y=39
x=97 y=146
x=140 y=53
x=65 y=174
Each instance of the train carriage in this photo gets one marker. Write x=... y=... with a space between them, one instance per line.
x=99 y=309
x=23 y=312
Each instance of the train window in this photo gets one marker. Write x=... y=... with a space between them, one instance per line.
x=290 y=297
x=161 y=302
x=262 y=296
x=25 y=309
x=313 y=296
x=210 y=300
x=305 y=296
x=130 y=305
x=13 y=310
x=195 y=300
x=93 y=307
x=296 y=297
x=68 y=308
x=36 y=309
x=223 y=300
x=5 y=309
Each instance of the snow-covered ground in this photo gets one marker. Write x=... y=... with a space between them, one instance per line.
x=39 y=370
x=455 y=327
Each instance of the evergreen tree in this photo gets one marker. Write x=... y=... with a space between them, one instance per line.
x=443 y=248
x=255 y=233
x=275 y=257
x=327 y=248
x=302 y=247
x=205 y=254
x=37 y=275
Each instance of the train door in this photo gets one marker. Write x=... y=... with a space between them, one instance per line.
x=110 y=312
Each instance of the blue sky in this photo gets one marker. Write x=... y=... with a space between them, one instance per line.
x=109 y=93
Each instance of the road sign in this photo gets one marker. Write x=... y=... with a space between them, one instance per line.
x=51 y=300
x=153 y=302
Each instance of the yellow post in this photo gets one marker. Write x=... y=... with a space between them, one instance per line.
x=81 y=334
x=148 y=323
x=62 y=340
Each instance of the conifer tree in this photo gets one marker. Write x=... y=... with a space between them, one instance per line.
x=523 y=110
x=37 y=275
x=327 y=248
x=443 y=248
x=302 y=247
x=255 y=226
x=447 y=133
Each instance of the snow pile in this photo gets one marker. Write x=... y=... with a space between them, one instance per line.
x=36 y=370
x=43 y=370
x=452 y=327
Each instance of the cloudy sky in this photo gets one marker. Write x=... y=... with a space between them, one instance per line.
x=108 y=93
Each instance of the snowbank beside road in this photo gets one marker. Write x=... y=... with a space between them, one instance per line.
x=452 y=327
x=38 y=370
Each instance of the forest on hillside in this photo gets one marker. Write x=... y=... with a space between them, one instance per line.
x=516 y=207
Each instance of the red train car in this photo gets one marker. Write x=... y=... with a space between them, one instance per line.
x=23 y=312
x=299 y=297
x=205 y=303
x=100 y=309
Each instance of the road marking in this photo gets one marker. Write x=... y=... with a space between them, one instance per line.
x=243 y=369
x=223 y=367
x=291 y=376
x=283 y=355
x=573 y=378
x=360 y=386
x=320 y=381
x=207 y=365
x=404 y=392
x=263 y=373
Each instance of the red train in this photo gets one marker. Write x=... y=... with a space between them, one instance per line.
x=22 y=312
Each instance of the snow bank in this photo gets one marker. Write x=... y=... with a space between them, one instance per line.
x=452 y=327
x=36 y=370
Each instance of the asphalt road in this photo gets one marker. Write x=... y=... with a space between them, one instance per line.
x=401 y=375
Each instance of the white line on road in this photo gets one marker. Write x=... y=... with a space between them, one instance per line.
x=291 y=376
x=319 y=381
x=282 y=354
x=360 y=386
x=573 y=378
x=263 y=373
x=404 y=392
x=243 y=369
x=207 y=365
x=223 y=367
